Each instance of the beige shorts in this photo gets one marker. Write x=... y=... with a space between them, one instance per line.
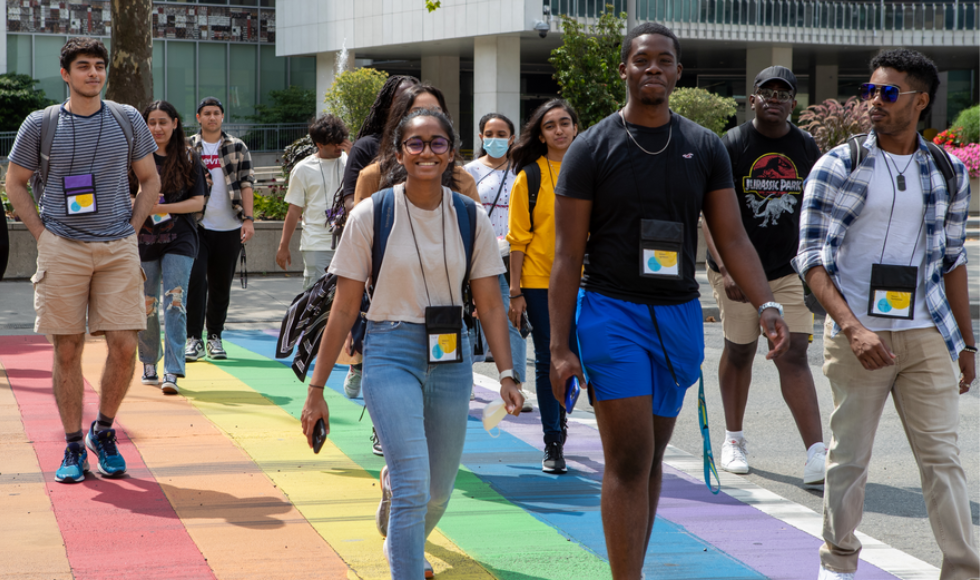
x=740 y=320
x=101 y=279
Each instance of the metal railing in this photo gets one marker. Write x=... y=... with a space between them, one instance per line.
x=802 y=14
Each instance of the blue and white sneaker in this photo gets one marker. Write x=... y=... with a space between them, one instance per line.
x=103 y=445
x=74 y=465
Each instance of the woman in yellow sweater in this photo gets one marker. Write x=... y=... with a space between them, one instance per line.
x=537 y=158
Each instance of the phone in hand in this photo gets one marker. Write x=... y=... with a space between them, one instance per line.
x=572 y=391
x=526 y=327
x=319 y=435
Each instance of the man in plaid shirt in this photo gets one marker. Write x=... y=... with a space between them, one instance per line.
x=881 y=246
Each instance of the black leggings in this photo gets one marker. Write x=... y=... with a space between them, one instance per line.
x=209 y=291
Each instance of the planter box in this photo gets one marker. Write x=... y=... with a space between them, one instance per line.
x=260 y=250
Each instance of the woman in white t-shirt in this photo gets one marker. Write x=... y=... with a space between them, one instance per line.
x=491 y=169
x=419 y=405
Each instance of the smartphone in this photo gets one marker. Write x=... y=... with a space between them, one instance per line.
x=526 y=327
x=319 y=435
x=572 y=391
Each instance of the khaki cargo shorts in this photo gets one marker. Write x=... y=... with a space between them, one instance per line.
x=740 y=320
x=102 y=280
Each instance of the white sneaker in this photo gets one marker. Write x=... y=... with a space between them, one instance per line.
x=527 y=408
x=813 y=471
x=826 y=574
x=733 y=458
x=352 y=383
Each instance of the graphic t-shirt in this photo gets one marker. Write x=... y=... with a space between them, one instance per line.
x=175 y=233
x=93 y=145
x=312 y=185
x=220 y=215
x=769 y=176
x=625 y=185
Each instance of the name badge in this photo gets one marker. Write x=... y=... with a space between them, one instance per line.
x=444 y=336
x=892 y=291
x=159 y=218
x=661 y=244
x=79 y=194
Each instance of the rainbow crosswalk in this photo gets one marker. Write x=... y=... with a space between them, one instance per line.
x=222 y=485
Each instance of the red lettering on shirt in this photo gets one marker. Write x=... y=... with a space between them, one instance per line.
x=211 y=161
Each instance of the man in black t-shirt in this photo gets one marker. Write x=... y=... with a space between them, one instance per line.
x=629 y=195
x=770 y=159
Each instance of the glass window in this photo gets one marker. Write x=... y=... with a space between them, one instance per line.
x=158 y=62
x=19 y=54
x=273 y=72
x=47 y=68
x=302 y=72
x=181 y=77
x=214 y=71
x=242 y=95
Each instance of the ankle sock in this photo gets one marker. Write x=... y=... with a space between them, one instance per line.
x=75 y=437
x=103 y=423
x=816 y=447
x=736 y=435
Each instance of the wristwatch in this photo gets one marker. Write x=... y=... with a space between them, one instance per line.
x=249 y=218
x=776 y=305
x=508 y=374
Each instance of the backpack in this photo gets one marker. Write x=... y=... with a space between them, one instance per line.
x=533 y=173
x=49 y=126
x=939 y=155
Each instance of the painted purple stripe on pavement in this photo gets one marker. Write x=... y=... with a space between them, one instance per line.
x=764 y=543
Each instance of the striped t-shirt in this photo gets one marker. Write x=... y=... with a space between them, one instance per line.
x=85 y=145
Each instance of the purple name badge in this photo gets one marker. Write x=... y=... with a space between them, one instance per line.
x=80 y=194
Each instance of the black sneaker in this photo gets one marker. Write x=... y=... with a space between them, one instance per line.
x=554 y=458
x=150 y=376
x=376 y=443
x=169 y=386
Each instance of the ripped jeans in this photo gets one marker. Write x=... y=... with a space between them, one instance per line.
x=175 y=272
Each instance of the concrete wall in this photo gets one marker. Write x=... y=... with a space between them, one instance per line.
x=260 y=251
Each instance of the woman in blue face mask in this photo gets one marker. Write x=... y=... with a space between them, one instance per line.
x=491 y=169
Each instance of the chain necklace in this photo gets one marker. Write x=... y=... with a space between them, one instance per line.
x=900 y=180
x=670 y=133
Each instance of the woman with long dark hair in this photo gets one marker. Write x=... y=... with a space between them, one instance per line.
x=417 y=373
x=168 y=244
x=537 y=161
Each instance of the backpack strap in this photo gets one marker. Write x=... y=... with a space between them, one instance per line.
x=466 y=216
x=384 y=220
x=735 y=141
x=945 y=165
x=125 y=123
x=533 y=173
x=49 y=125
x=858 y=153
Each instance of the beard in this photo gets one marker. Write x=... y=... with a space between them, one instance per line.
x=652 y=101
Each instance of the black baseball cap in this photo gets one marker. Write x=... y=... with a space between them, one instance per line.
x=214 y=102
x=776 y=73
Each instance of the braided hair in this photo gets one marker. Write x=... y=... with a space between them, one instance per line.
x=377 y=118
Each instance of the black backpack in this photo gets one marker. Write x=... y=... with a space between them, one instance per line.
x=533 y=173
x=939 y=155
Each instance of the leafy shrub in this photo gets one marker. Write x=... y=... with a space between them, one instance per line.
x=273 y=206
x=587 y=66
x=969 y=154
x=969 y=121
x=352 y=94
x=705 y=108
x=831 y=122
x=19 y=98
x=292 y=105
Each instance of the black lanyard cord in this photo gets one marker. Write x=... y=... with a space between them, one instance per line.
x=418 y=252
x=891 y=213
x=95 y=151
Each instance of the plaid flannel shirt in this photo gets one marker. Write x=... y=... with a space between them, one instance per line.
x=236 y=162
x=833 y=198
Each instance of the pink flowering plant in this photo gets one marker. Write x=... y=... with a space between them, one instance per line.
x=969 y=154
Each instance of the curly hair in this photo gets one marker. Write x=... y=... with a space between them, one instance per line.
x=391 y=171
x=922 y=72
x=377 y=118
x=447 y=126
x=483 y=123
x=648 y=28
x=82 y=45
x=529 y=146
x=328 y=130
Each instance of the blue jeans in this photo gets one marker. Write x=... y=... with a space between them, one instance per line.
x=420 y=413
x=518 y=346
x=175 y=272
x=552 y=415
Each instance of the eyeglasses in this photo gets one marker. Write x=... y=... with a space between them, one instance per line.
x=780 y=94
x=415 y=145
x=888 y=93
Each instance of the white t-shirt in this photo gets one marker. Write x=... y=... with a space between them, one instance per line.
x=904 y=242
x=312 y=184
x=219 y=216
x=488 y=181
x=400 y=294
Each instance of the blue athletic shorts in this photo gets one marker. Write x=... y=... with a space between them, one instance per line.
x=623 y=357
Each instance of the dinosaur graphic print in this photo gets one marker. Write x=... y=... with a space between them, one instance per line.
x=772 y=187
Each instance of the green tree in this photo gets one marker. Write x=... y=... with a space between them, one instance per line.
x=705 y=108
x=18 y=98
x=292 y=105
x=587 y=66
x=131 y=71
x=352 y=94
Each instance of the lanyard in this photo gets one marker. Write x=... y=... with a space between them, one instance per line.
x=891 y=213
x=709 y=459
x=95 y=150
x=419 y=252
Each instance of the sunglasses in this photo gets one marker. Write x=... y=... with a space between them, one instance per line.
x=415 y=145
x=888 y=93
x=780 y=94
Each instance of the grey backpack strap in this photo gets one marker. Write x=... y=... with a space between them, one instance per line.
x=49 y=125
x=125 y=123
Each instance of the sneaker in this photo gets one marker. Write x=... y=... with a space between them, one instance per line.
x=376 y=443
x=74 y=465
x=826 y=574
x=813 y=471
x=733 y=458
x=194 y=349
x=527 y=408
x=150 y=374
x=554 y=458
x=352 y=383
x=103 y=445
x=384 y=508
x=169 y=386
x=216 y=351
